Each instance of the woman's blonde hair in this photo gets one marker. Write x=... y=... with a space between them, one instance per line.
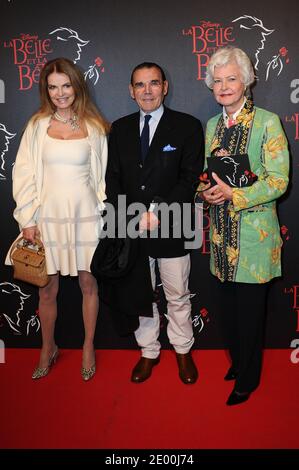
x=82 y=106
x=226 y=55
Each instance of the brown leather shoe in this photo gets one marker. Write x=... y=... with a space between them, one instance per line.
x=143 y=369
x=187 y=369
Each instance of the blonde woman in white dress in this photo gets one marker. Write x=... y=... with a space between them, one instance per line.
x=59 y=189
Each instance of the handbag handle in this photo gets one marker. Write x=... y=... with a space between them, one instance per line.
x=38 y=242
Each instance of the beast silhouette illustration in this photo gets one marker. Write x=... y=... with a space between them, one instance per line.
x=67 y=35
x=5 y=138
x=13 y=314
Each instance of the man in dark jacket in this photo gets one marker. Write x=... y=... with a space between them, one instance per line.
x=156 y=155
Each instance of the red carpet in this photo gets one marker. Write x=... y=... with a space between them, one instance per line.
x=110 y=412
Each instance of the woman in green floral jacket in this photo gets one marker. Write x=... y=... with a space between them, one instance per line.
x=245 y=232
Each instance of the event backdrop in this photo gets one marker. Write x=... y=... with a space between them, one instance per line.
x=106 y=39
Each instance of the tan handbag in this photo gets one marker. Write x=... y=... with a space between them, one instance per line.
x=29 y=262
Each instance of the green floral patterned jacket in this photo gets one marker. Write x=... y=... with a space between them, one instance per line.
x=245 y=241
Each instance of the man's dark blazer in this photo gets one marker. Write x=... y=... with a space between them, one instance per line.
x=170 y=171
x=169 y=176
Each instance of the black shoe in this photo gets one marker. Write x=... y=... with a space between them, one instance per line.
x=236 y=398
x=231 y=374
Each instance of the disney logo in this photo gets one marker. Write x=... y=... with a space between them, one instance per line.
x=208 y=24
x=27 y=36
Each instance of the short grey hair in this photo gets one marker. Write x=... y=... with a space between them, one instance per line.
x=227 y=55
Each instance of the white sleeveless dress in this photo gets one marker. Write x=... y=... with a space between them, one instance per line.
x=69 y=219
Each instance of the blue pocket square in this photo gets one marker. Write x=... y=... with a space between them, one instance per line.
x=168 y=148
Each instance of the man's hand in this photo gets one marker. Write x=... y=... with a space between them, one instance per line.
x=148 y=221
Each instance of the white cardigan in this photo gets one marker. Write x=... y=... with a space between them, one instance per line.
x=28 y=170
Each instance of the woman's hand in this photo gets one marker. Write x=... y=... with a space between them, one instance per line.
x=31 y=233
x=213 y=195
x=219 y=193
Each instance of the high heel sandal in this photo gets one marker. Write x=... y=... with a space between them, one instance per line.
x=88 y=374
x=40 y=372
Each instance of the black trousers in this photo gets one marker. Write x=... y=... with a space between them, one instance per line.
x=241 y=310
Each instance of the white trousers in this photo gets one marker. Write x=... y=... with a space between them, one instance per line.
x=174 y=274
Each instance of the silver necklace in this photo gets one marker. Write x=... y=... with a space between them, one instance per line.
x=73 y=121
